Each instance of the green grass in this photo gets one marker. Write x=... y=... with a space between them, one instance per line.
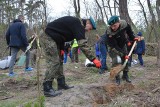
x=9 y=104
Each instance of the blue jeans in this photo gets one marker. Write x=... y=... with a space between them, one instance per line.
x=140 y=59
x=103 y=57
x=66 y=55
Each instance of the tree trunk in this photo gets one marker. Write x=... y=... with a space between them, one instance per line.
x=100 y=10
x=104 y=10
x=158 y=50
x=154 y=23
x=158 y=10
x=123 y=11
x=77 y=8
x=109 y=7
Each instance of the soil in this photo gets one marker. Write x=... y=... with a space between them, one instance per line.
x=90 y=88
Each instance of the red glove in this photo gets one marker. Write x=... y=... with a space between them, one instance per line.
x=129 y=44
x=136 y=38
x=62 y=52
x=126 y=57
x=97 y=63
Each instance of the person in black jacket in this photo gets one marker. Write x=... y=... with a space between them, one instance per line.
x=58 y=32
x=17 y=40
x=117 y=38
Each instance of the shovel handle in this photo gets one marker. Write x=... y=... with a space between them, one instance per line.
x=134 y=44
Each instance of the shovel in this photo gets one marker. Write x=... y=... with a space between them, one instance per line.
x=23 y=56
x=116 y=70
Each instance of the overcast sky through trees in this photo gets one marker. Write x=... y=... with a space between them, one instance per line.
x=59 y=8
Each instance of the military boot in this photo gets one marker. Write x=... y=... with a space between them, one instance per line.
x=49 y=91
x=62 y=84
x=126 y=77
x=118 y=80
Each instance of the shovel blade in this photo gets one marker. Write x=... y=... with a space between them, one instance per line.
x=21 y=60
x=115 y=71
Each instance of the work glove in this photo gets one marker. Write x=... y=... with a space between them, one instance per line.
x=129 y=44
x=126 y=57
x=136 y=39
x=97 y=63
x=62 y=52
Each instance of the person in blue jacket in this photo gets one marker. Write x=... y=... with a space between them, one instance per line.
x=102 y=44
x=16 y=38
x=67 y=52
x=140 y=49
x=97 y=47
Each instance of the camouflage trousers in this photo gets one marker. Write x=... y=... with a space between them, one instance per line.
x=114 y=54
x=54 y=62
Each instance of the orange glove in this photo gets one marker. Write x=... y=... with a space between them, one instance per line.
x=62 y=52
x=129 y=44
x=126 y=57
x=97 y=63
x=136 y=39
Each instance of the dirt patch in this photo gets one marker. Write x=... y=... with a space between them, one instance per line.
x=104 y=94
x=90 y=88
x=10 y=87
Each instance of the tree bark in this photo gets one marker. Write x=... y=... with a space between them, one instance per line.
x=109 y=7
x=154 y=23
x=100 y=10
x=123 y=11
x=104 y=10
x=158 y=50
x=77 y=8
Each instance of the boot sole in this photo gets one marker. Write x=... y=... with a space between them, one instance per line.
x=49 y=95
x=65 y=88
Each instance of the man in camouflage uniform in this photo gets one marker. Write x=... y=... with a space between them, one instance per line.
x=58 y=32
x=117 y=38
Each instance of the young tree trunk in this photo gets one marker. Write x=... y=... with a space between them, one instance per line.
x=109 y=7
x=158 y=54
x=158 y=13
x=77 y=7
x=100 y=10
x=154 y=23
x=105 y=13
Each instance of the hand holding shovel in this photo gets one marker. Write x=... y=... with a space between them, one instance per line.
x=116 y=70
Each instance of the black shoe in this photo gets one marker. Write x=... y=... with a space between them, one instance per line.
x=126 y=77
x=49 y=91
x=62 y=84
x=52 y=93
x=118 y=81
x=65 y=87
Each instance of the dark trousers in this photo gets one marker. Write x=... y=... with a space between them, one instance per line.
x=140 y=59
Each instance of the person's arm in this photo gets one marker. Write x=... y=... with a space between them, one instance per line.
x=113 y=44
x=130 y=33
x=24 y=35
x=8 y=36
x=143 y=46
x=86 y=49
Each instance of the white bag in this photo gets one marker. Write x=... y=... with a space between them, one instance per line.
x=88 y=63
x=4 y=63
